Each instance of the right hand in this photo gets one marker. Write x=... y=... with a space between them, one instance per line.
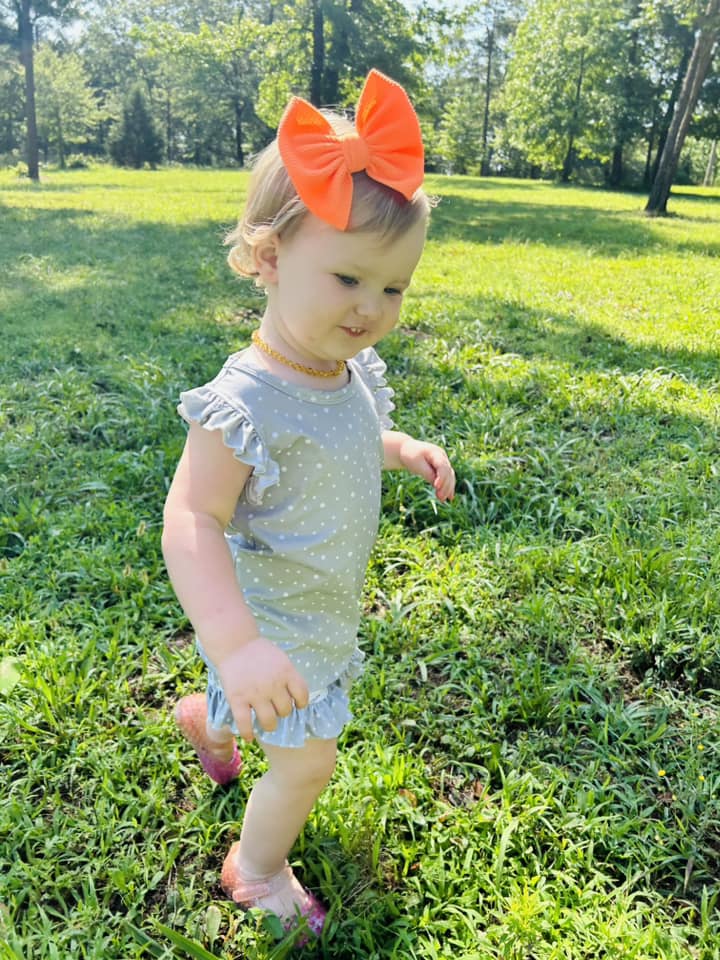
x=259 y=676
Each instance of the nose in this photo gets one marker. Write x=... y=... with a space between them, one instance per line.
x=368 y=305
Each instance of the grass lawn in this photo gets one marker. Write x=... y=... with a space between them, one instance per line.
x=533 y=772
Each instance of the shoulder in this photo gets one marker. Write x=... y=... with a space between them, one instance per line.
x=235 y=386
x=232 y=403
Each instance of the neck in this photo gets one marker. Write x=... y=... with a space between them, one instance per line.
x=271 y=347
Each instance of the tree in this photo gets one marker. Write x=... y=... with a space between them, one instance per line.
x=710 y=169
x=11 y=113
x=460 y=141
x=18 y=22
x=706 y=124
x=708 y=31
x=497 y=21
x=667 y=42
x=215 y=69
x=556 y=95
x=465 y=59
x=345 y=42
x=136 y=140
x=67 y=110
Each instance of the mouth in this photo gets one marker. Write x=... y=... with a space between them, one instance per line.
x=354 y=331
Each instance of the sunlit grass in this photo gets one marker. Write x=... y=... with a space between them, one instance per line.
x=533 y=769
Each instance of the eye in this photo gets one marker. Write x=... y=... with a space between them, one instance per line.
x=345 y=280
x=393 y=291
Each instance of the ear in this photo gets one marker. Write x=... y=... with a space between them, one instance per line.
x=265 y=257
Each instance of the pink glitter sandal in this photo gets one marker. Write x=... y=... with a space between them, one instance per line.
x=191 y=717
x=249 y=893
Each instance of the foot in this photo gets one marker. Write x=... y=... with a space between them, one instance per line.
x=219 y=755
x=281 y=894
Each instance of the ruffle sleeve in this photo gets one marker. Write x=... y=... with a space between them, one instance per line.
x=214 y=412
x=372 y=369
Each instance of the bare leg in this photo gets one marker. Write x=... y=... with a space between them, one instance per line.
x=277 y=809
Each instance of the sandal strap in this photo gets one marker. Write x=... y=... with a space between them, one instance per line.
x=248 y=892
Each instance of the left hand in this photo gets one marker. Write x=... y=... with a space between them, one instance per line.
x=430 y=462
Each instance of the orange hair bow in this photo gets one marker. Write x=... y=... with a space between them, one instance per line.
x=387 y=146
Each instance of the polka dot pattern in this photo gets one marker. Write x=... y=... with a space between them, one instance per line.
x=301 y=535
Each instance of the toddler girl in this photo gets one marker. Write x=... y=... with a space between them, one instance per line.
x=273 y=510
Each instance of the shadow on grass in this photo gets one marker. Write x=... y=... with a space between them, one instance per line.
x=133 y=183
x=136 y=273
x=73 y=279
x=610 y=232
x=514 y=328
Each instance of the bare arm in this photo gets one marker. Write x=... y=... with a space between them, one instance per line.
x=253 y=672
x=427 y=460
x=203 y=494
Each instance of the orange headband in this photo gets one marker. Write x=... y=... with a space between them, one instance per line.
x=387 y=146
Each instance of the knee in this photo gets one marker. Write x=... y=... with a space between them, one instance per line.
x=321 y=767
x=316 y=768
x=310 y=768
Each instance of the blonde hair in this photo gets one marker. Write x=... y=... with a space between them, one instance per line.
x=273 y=207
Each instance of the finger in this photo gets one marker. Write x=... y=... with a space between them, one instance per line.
x=266 y=716
x=443 y=495
x=445 y=484
x=283 y=704
x=297 y=688
x=438 y=460
x=243 y=722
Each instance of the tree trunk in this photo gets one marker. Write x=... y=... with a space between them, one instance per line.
x=317 y=68
x=569 y=160
x=61 y=144
x=698 y=67
x=664 y=126
x=484 y=155
x=239 y=154
x=169 y=133
x=625 y=120
x=616 y=166
x=647 y=175
x=27 y=60
x=709 y=178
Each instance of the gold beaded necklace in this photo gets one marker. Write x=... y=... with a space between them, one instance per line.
x=300 y=367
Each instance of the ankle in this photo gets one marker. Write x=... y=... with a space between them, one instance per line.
x=252 y=872
x=280 y=893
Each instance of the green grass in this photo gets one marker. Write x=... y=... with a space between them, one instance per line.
x=533 y=771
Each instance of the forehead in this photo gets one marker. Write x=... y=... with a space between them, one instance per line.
x=363 y=250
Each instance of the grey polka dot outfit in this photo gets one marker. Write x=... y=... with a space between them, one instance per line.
x=305 y=524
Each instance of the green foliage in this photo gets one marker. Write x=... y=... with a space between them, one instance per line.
x=458 y=143
x=136 y=140
x=68 y=111
x=580 y=90
x=10 y=105
x=556 y=83
x=589 y=80
x=533 y=769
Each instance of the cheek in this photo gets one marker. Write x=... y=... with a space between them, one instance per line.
x=334 y=295
x=394 y=311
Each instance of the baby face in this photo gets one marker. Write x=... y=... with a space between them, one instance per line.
x=332 y=293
